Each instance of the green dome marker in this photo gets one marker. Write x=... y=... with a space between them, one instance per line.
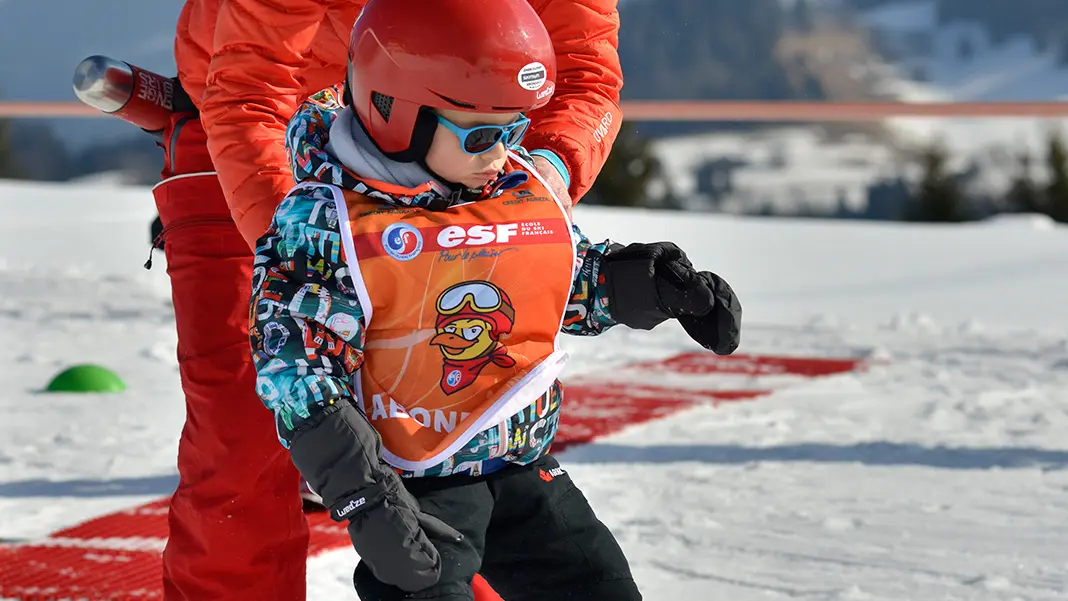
x=86 y=378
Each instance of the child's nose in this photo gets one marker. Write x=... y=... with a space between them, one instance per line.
x=497 y=152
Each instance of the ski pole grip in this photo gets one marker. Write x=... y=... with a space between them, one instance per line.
x=115 y=87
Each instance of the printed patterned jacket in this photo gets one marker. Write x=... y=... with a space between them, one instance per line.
x=297 y=376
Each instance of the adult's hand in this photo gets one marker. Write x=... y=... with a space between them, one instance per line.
x=556 y=182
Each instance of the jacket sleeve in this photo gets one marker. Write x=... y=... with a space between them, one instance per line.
x=307 y=331
x=252 y=91
x=582 y=120
x=587 y=312
x=306 y=324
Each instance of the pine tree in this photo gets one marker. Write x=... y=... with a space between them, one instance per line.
x=1057 y=188
x=8 y=167
x=625 y=178
x=801 y=16
x=939 y=197
x=1024 y=195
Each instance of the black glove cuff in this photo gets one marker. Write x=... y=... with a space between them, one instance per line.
x=632 y=293
x=353 y=505
x=340 y=457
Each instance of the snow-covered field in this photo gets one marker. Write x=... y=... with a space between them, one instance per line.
x=938 y=474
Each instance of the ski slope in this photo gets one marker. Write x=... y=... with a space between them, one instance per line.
x=937 y=474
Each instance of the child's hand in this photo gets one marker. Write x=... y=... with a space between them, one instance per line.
x=649 y=283
x=720 y=329
x=340 y=457
x=397 y=541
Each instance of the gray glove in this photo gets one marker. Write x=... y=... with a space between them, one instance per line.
x=341 y=458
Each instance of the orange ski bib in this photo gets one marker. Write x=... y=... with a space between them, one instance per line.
x=463 y=308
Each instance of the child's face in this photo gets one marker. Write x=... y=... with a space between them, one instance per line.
x=447 y=158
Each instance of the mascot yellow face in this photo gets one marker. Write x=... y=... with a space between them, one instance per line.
x=472 y=317
x=464 y=338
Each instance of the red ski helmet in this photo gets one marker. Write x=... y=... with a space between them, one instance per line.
x=405 y=56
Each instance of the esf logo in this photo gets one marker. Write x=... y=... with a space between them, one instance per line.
x=402 y=241
x=453 y=378
x=477 y=235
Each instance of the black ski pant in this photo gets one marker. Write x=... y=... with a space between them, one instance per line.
x=528 y=531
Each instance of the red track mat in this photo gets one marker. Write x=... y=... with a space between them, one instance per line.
x=116 y=557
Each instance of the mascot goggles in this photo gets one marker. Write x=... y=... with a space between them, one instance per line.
x=482 y=298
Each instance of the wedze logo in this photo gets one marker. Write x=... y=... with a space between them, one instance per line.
x=477 y=235
x=353 y=504
x=602 y=129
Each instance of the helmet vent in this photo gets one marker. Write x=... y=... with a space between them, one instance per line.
x=383 y=103
x=457 y=103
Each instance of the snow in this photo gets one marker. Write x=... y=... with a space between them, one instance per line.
x=789 y=168
x=908 y=16
x=939 y=473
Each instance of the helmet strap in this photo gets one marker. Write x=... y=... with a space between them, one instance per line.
x=426 y=125
x=419 y=144
x=346 y=93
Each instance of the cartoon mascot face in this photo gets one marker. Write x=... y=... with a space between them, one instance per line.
x=472 y=317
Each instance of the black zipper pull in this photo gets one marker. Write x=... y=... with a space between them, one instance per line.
x=153 y=246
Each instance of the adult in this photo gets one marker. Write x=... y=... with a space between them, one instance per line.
x=237 y=530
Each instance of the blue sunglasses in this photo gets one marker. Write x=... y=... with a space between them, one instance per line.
x=481 y=138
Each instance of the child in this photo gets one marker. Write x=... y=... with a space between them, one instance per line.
x=407 y=302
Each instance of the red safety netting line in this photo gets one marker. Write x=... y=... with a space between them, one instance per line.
x=702 y=110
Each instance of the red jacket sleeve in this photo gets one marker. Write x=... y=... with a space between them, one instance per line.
x=582 y=120
x=253 y=84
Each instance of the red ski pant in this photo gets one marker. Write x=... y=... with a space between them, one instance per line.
x=237 y=531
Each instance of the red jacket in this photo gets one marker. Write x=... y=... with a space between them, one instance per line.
x=248 y=64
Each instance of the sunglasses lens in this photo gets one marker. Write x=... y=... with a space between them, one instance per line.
x=516 y=135
x=481 y=139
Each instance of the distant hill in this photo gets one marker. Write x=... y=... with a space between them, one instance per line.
x=1045 y=20
x=703 y=49
x=723 y=49
x=42 y=41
